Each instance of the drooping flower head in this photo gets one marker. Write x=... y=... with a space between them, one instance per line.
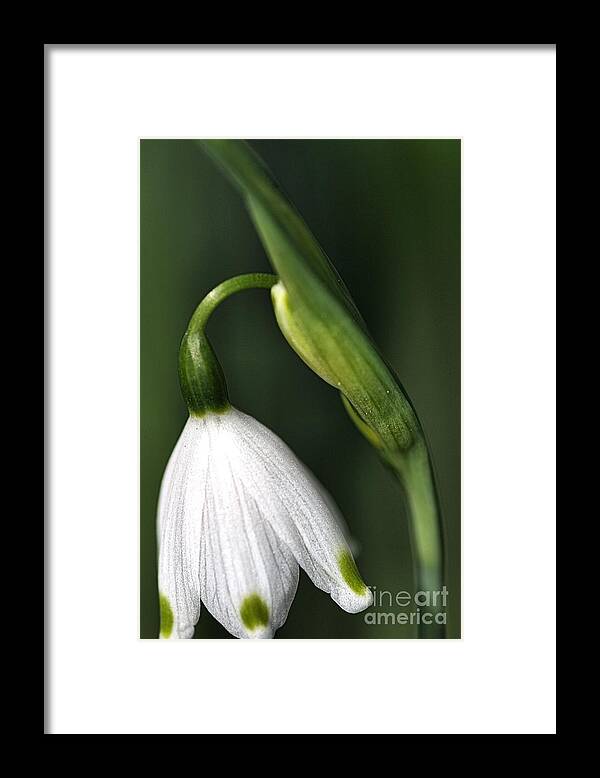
x=239 y=513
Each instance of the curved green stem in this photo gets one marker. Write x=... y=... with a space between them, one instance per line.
x=200 y=374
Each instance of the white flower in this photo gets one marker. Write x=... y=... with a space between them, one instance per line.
x=238 y=512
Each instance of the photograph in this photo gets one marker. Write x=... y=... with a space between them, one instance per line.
x=300 y=386
x=300 y=442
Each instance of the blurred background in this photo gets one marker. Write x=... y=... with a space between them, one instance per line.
x=387 y=213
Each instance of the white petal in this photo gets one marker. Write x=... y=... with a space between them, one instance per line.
x=179 y=528
x=299 y=511
x=248 y=578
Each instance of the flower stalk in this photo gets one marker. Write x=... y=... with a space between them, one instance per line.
x=426 y=534
x=200 y=374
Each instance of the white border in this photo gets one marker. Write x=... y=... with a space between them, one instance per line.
x=500 y=677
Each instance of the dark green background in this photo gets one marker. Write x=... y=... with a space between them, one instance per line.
x=388 y=215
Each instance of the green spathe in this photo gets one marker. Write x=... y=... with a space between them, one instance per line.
x=313 y=307
x=254 y=612
x=166 y=617
x=350 y=573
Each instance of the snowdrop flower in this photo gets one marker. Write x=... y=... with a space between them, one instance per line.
x=239 y=513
